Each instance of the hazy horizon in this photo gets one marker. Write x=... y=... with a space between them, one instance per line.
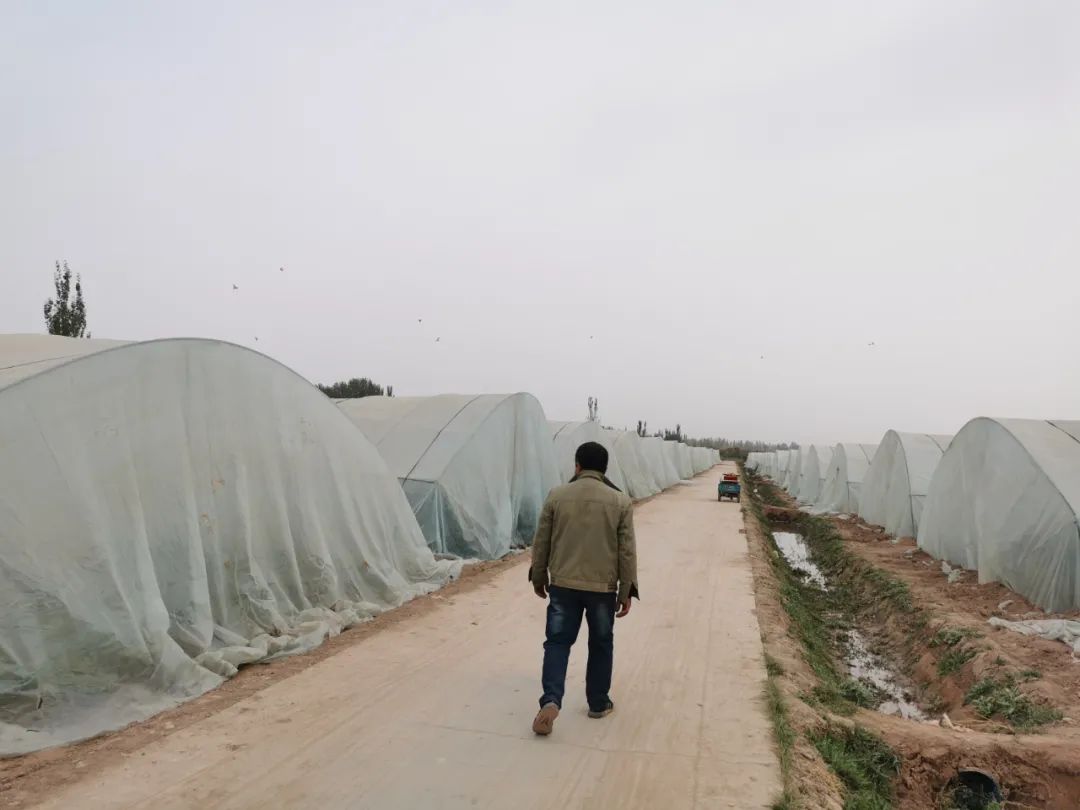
x=777 y=222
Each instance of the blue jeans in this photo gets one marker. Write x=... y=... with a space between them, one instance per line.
x=565 y=607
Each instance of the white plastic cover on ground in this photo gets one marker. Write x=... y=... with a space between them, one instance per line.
x=1004 y=502
x=753 y=460
x=569 y=436
x=1063 y=630
x=895 y=487
x=169 y=511
x=847 y=469
x=476 y=469
x=659 y=460
x=630 y=454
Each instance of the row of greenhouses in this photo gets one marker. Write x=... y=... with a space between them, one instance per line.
x=1001 y=497
x=172 y=510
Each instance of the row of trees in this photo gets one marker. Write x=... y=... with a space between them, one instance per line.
x=356 y=388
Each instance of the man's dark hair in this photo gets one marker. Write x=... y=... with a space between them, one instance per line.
x=592 y=456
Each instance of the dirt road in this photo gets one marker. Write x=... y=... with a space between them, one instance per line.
x=436 y=712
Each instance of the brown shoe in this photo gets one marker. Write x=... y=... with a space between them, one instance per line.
x=545 y=719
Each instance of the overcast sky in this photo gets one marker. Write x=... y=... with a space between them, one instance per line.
x=698 y=212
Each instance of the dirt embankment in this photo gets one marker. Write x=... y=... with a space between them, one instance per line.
x=941 y=640
x=956 y=650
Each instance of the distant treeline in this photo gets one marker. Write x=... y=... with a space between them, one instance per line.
x=355 y=388
x=739 y=448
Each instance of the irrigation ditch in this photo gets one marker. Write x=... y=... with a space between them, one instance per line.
x=881 y=698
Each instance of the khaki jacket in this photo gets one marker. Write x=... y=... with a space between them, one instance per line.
x=585 y=539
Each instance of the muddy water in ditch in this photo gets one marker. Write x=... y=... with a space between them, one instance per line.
x=862 y=663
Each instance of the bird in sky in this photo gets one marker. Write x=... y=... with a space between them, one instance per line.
x=256 y=338
x=419 y=320
x=235 y=288
x=282 y=269
x=871 y=343
x=437 y=339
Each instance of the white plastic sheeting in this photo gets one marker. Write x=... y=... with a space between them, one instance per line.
x=476 y=469
x=847 y=469
x=660 y=462
x=895 y=487
x=703 y=459
x=171 y=510
x=767 y=464
x=779 y=472
x=814 y=466
x=569 y=436
x=640 y=482
x=1004 y=502
x=794 y=472
x=684 y=463
x=1064 y=630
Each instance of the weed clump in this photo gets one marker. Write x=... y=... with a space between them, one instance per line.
x=1001 y=697
x=954 y=660
x=951 y=636
x=864 y=763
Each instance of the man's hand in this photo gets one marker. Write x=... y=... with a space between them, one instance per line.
x=540 y=590
x=624 y=608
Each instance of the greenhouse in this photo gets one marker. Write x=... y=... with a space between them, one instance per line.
x=793 y=473
x=1004 y=502
x=569 y=436
x=895 y=487
x=684 y=463
x=703 y=459
x=814 y=467
x=660 y=462
x=172 y=510
x=780 y=467
x=633 y=464
x=843 y=482
x=476 y=469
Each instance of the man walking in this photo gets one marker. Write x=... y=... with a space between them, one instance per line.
x=584 y=560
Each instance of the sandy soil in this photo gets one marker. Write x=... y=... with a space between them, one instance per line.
x=432 y=708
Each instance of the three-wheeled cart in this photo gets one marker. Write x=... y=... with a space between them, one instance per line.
x=729 y=488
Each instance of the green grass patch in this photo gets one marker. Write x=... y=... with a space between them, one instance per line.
x=954 y=660
x=957 y=654
x=1001 y=697
x=785 y=734
x=764 y=491
x=951 y=636
x=864 y=763
x=1030 y=675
